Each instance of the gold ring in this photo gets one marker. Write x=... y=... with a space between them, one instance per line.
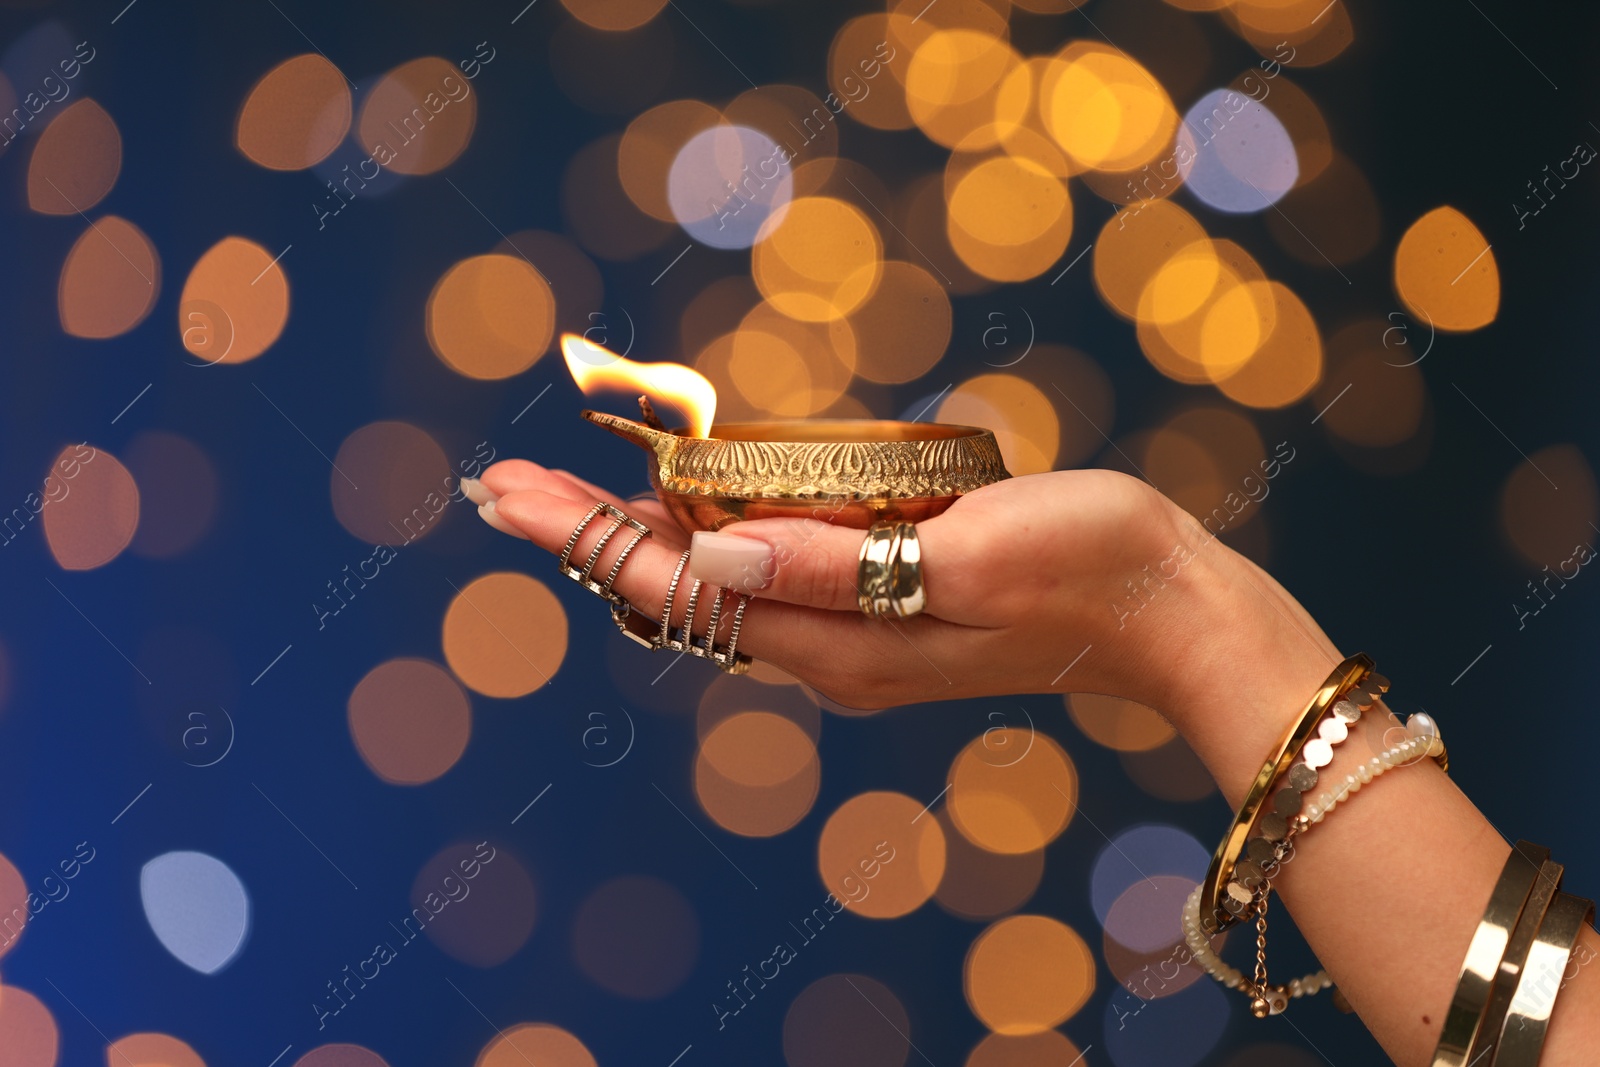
x=874 y=578
x=907 y=596
x=889 y=572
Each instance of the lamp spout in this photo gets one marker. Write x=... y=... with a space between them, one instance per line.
x=659 y=442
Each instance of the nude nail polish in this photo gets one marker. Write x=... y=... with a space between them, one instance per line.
x=489 y=515
x=477 y=492
x=742 y=564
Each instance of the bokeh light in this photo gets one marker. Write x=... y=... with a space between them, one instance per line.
x=1118 y=723
x=846 y=1020
x=880 y=855
x=1445 y=272
x=903 y=329
x=157 y=1050
x=197 y=908
x=1104 y=109
x=337 y=1055
x=637 y=937
x=1133 y=245
x=1142 y=852
x=1169 y=772
x=613 y=73
x=868 y=73
x=296 y=115
x=1333 y=219
x=1205 y=311
x=505 y=634
x=1147 y=916
x=390 y=485
x=979 y=884
x=419 y=117
x=1022 y=417
x=823 y=259
x=1234 y=154
x=614 y=15
x=177 y=493
x=790 y=368
x=1028 y=973
x=90 y=508
x=1546 y=524
x=1009 y=218
x=796 y=120
x=960 y=88
x=1048 y=1048
x=574 y=281
x=409 y=720
x=109 y=281
x=649 y=146
x=1288 y=364
x=729 y=186
x=14 y=909
x=537 y=1043
x=1211 y=462
x=27 y=1029
x=764 y=688
x=1390 y=394
x=491 y=317
x=1176 y=1031
x=497 y=923
x=1012 y=790
x=757 y=772
x=756 y=810
x=235 y=302
x=597 y=210
x=757 y=748
x=1079 y=388
x=76 y=161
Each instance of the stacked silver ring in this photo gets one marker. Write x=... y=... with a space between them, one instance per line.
x=683 y=639
x=634 y=625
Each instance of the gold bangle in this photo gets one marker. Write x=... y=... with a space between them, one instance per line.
x=1522 y=1035
x=1509 y=974
x=1484 y=953
x=1344 y=677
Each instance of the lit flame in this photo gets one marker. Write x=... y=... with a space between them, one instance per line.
x=595 y=367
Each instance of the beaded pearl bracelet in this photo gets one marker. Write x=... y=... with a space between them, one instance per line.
x=1422 y=740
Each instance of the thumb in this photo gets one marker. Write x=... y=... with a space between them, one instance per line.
x=799 y=561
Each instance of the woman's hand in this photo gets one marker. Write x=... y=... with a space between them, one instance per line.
x=1071 y=581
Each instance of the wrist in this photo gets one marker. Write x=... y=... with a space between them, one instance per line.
x=1247 y=659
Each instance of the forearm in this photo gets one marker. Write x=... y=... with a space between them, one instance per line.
x=1389 y=889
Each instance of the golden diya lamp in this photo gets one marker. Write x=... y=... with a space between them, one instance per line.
x=848 y=472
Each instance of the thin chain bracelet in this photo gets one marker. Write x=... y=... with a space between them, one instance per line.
x=1267 y=999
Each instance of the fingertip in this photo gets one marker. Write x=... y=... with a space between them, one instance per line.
x=511 y=475
x=489 y=512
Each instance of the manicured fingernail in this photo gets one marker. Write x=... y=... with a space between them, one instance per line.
x=477 y=492
x=489 y=515
x=731 y=561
